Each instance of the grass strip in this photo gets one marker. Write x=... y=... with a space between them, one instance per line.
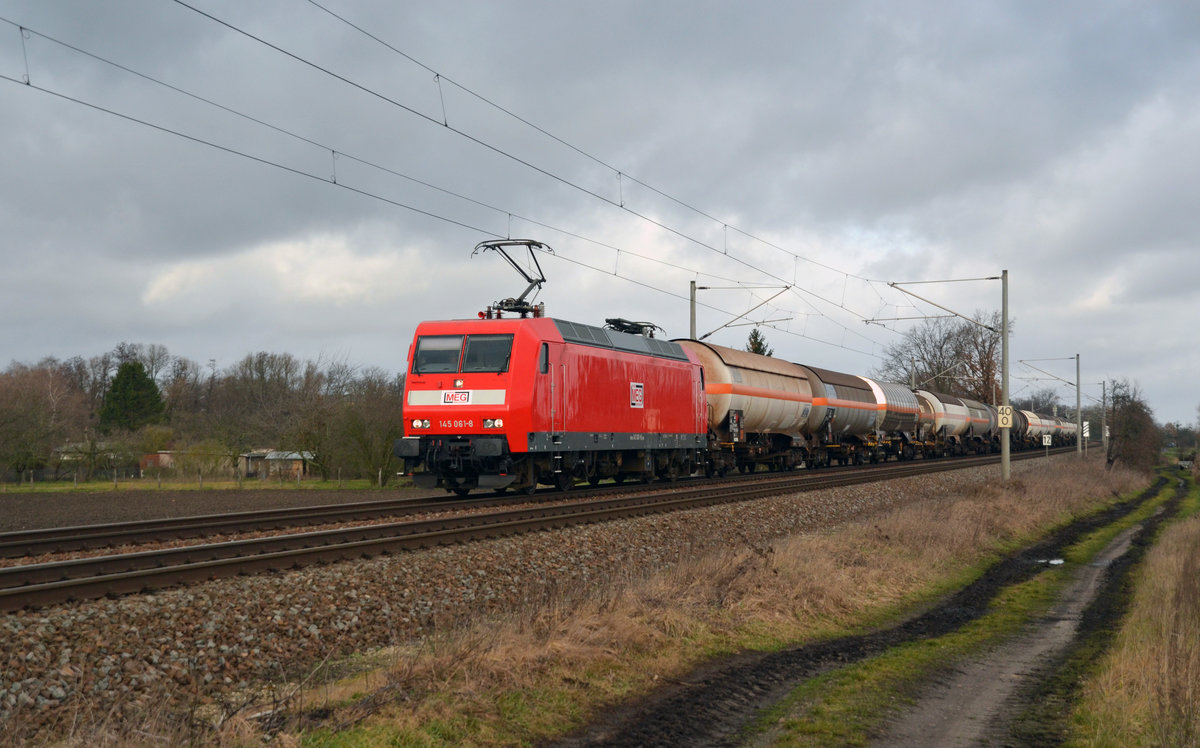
x=846 y=706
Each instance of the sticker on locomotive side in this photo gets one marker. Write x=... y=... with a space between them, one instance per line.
x=468 y=423
x=637 y=395
x=456 y=397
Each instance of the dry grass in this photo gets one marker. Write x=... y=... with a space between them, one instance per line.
x=535 y=674
x=1148 y=692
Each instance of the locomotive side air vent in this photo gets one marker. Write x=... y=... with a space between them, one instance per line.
x=574 y=332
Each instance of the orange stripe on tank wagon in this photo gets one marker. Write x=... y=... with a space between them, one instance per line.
x=848 y=404
x=728 y=388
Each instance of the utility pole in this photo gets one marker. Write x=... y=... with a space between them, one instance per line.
x=1104 y=416
x=1005 y=448
x=1078 y=410
x=692 y=329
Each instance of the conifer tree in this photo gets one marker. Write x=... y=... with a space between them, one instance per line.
x=757 y=343
x=132 y=399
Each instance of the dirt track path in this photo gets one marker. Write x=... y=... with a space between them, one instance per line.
x=973 y=704
x=976 y=704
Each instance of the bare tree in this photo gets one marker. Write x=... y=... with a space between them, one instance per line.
x=39 y=410
x=156 y=359
x=955 y=356
x=1043 y=401
x=1134 y=438
x=367 y=419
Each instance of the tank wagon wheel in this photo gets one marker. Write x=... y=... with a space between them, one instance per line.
x=619 y=478
x=563 y=481
x=594 y=480
x=461 y=492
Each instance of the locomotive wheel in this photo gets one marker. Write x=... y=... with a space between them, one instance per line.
x=563 y=481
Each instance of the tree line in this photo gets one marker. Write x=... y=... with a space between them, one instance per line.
x=88 y=417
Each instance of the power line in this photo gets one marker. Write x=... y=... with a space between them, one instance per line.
x=620 y=173
x=336 y=153
x=524 y=162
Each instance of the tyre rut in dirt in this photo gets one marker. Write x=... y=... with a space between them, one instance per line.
x=717 y=701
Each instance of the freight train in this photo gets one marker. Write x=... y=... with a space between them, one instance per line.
x=511 y=403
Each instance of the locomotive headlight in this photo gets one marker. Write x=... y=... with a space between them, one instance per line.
x=499 y=423
x=493 y=423
x=417 y=423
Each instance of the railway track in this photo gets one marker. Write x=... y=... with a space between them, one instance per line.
x=39 y=585
x=53 y=540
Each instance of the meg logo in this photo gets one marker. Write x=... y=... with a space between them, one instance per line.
x=459 y=397
x=637 y=395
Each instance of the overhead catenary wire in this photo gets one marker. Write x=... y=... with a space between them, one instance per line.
x=620 y=173
x=524 y=162
x=337 y=153
x=364 y=193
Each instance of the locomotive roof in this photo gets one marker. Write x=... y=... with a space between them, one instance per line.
x=575 y=332
x=571 y=332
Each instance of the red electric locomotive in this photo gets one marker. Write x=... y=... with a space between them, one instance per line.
x=500 y=403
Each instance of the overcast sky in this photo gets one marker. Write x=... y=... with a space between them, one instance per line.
x=237 y=176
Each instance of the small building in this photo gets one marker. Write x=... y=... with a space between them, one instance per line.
x=265 y=464
x=160 y=460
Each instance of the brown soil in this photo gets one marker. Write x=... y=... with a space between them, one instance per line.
x=715 y=704
x=27 y=511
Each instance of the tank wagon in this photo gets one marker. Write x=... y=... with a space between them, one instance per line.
x=1060 y=430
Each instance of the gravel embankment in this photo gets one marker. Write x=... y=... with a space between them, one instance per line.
x=184 y=646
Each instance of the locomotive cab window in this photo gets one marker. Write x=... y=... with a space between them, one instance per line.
x=487 y=353
x=437 y=354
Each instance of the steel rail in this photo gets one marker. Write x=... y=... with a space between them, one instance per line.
x=38 y=585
